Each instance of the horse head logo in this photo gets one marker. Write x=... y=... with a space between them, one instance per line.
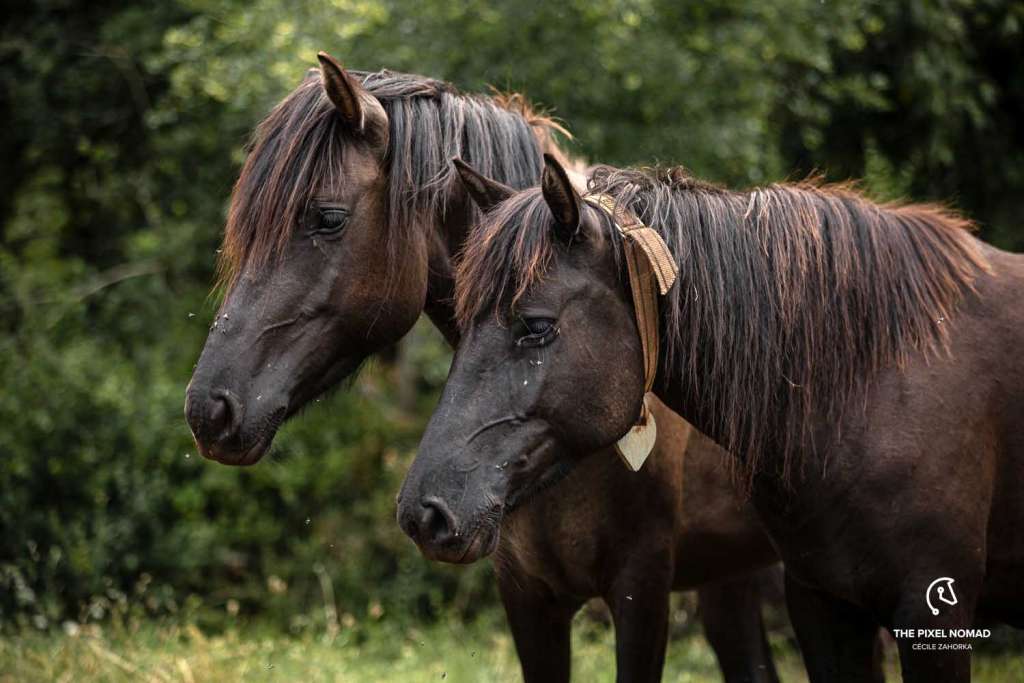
x=943 y=588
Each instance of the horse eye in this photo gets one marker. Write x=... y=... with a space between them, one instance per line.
x=538 y=332
x=332 y=220
x=538 y=325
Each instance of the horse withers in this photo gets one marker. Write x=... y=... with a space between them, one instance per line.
x=340 y=233
x=856 y=360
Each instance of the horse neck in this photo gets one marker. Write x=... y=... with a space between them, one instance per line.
x=440 y=302
x=681 y=397
x=446 y=236
x=748 y=346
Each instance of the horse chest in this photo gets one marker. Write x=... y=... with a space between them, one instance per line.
x=550 y=547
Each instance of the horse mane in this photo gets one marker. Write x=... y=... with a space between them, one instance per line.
x=546 y=128
x=298 y=148
x=790 y=297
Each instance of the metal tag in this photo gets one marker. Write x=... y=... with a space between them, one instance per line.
x=638 y=442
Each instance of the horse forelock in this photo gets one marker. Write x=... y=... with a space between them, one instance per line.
x=790 y=297
x=298 y=149
x=507 y=252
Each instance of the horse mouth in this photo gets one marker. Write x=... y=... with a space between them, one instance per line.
x=243 y=456
x=483 y=543
x=250 y=456
x=554 y=475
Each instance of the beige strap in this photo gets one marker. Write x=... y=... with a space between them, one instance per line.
x=648 y=259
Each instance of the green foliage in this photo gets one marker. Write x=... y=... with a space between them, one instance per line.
x=125 y=124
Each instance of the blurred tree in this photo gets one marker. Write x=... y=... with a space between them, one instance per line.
x=933 y=87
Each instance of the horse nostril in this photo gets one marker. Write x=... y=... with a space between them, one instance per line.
x=436 y=523
x=223 y=416
x=219 y=415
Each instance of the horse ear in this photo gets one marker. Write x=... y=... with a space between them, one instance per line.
x=358 y=108
x=561 y=198
x=342 y=90
x=485 y=191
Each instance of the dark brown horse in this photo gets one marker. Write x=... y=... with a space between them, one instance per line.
x=860 y=360
x=631 y=539
x=339 y=235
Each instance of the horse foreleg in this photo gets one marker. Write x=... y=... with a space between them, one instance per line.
x=731 y=612
x=541 y=627
x=639 y=602
x=838 y=640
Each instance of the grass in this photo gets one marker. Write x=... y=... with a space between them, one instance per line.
x=444 y=652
